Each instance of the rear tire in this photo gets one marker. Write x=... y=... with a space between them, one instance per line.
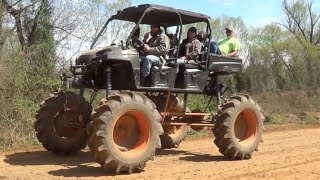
x=55 y=113
x=239 y=127
x=173 y=135
x=124 y=133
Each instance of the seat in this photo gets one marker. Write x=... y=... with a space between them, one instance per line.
x=204 y=39
x=173 y=45
x=164 y=77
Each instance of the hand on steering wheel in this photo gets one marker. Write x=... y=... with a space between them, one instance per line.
x=138 y=45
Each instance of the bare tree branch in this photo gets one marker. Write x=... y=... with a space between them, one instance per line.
x=66 y=31
x=17 y=16
x=295 y=20
x=16 y=3
x=311 y=22
x=277 y=53
x=317 y=19
x=291 y=31
x=34 y=26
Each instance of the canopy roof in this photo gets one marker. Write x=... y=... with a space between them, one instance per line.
x=160 y=15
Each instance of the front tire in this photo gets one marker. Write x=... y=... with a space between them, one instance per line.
x=124 y=133
x=239 y=127
x=53 y=120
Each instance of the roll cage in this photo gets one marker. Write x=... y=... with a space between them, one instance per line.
x=165 y=17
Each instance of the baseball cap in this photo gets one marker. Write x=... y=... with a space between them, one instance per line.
x=229 y=28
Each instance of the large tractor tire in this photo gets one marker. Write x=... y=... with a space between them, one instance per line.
x=53 y=121
x=124 y=132
x=173 y=135
x=239 y=127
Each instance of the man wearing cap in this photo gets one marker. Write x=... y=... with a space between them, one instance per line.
x=155 y=49
x=228 y=46
x=190 y=48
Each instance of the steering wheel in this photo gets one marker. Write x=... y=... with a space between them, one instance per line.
x=137 y=44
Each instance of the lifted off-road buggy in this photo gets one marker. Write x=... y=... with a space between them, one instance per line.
x=124 y=131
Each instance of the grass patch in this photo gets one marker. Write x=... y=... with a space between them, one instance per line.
x=311 y=121
x=202 y=103
x=197 y=134
x=277 y=119
x=289 y=102
x=302 y=119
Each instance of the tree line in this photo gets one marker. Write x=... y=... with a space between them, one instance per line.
x=283 y=55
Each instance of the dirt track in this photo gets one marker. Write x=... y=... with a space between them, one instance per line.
x=290 y=154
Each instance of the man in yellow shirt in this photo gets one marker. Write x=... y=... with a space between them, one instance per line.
x=228 y=46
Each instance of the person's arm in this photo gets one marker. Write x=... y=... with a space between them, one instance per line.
x=233 y=54
x=182 y=50
x=236 y=48
x=196 y=46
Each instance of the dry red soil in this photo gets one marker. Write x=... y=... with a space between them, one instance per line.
x=291 y=153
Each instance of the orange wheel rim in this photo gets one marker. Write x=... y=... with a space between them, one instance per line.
x=131 y=133
x=246 y=127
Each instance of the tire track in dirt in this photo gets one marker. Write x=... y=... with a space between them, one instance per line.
x=290 y=154
x=269 y=170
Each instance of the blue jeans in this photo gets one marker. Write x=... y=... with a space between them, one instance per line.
x=214 y=48
x=180 y=62
x=146 y=64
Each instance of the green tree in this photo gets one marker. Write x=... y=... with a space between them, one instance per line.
x=28 y=75
x=35 y=37
x=302 y=21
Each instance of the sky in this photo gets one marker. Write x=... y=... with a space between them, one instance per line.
x=255 y=13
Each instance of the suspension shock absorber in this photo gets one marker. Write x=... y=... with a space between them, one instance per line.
x=108 y=82
x=217 y=90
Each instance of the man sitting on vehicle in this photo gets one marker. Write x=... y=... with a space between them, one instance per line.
x=229 y=46
x=190 y=48
x=201 y=36
x=155 y=49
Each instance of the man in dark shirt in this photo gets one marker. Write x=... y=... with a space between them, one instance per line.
x=190 y=48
